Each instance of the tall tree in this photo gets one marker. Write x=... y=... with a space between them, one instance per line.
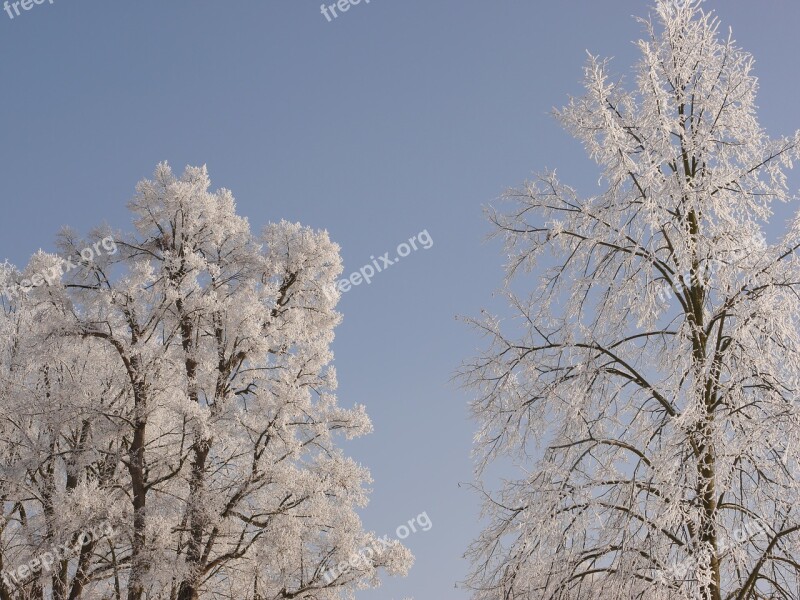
x=658 y=366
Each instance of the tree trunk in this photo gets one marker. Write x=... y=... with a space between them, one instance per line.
x=200 y=449
x=136 y=470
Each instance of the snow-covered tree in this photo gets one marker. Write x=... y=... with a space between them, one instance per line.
x=650 y=400
x=180 y=390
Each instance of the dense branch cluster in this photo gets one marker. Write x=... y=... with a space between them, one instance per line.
x=180 y=391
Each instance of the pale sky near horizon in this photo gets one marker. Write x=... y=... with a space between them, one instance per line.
x=394 y=118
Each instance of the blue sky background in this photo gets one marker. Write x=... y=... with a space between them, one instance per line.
x=396 y=117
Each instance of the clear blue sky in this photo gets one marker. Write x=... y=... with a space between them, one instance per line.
x=396 y=117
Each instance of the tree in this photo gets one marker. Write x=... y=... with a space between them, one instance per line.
x=180 y=389
x=658 y=364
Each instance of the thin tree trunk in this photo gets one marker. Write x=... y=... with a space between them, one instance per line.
x=706 y=467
